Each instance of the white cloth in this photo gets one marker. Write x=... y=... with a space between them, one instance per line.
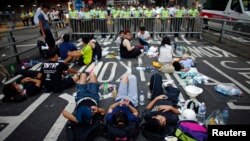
x=166 y=54
x=144 y=36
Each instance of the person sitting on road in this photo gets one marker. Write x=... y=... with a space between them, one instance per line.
x=97 y=49
x=85 y=55
x=143 y=36
x=66 y=46
x=126 y=50
x=14 y=92
x=165 y=51
x=51 y=74
x=119 y=38
x=160 y=114
x=123 y=113
x=87 y=101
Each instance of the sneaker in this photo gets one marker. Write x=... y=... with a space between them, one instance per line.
x=45 y=48
x=168 y=82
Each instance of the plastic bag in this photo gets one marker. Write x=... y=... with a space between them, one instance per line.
x=229 y=90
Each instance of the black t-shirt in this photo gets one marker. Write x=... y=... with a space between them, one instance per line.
x=31 y=88
x=171 y=117
x=52 y=75
x=97 y=51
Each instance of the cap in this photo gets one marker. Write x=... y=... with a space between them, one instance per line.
x=83 y=115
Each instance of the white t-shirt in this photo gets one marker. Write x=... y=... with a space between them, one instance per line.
x=166 y=54
x=144 y=36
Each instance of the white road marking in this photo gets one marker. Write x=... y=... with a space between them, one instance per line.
x=58 y=126
x=185 y=40
x=245 y=74
x=27 y=45
x=142 y=74
x=228 y=77
x=248 y=82
x=231 y=105
x=82 y=68
x=223 y=63
x=104 y=70
x=98 y=67
x=128 y=68
x=15 y=121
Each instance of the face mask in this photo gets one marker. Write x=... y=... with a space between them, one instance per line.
x=20 y=87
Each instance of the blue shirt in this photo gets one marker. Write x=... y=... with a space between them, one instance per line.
x=187 y=63
x=64 y=47
x=126 y=110
x=45 y=23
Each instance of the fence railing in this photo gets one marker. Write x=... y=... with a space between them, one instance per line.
x=13 y=38
x=153 y=25
x=228 y=28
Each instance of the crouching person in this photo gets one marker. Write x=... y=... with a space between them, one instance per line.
x=122 y=117
x=161 y=114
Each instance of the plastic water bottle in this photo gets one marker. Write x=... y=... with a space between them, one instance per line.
x=225 y=115
x=96 y=59
x=142 y=99
x=12 y=69
x=145 y=47
x=201 y=116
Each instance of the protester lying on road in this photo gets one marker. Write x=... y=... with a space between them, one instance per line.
x=14 y=92
x=87 y=101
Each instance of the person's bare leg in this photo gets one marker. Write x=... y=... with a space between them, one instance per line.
x=83 y=78
x=75 y=78
x=92 y=78
x=68 y=59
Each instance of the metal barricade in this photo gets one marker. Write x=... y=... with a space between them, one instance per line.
x=186 y=25
x=12 y=42
x=233 y=30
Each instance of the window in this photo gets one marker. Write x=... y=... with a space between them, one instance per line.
x=219 y=5
x=246 y=5
x=236 y=6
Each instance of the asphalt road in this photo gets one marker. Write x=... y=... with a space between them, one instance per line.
x=39 y=118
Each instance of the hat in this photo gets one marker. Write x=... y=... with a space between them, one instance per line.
x=83 y=115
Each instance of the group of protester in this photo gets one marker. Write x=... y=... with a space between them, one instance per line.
x=159 y=114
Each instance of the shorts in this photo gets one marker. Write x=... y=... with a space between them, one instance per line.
x=88 y=90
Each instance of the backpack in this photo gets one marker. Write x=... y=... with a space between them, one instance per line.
x=79 y=132
x=191 y=131
x=127 y=133
x=155 y=85
x=192 y=104
x=44 y=52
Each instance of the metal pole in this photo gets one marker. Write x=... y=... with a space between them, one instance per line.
x=222 y=31
x=12 y=38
